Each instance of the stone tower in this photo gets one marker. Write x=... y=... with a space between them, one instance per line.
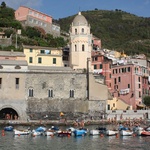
x=80 y=43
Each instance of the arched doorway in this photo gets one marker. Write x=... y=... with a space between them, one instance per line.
x=8 y=114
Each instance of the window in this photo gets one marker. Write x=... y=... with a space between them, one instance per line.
x=139 y=94
x=75 y=31
x=109 y=75
x=128 y=85
x=30 y=60
x=82 y=30
x=75 y=47
x=110 y=66
x=82 y=47
x=128 y=69
x=116 y=70
x=115 y=81
x=139 y=79
x=95 y=66
x=54 y=60
x=113 y=104
x=119 y=79
x=42 y=51
x=17 y=83
x=71 y=93
x=30 y=92
x=139 y=85
x=0 y=83
x=101 y=66
x=50 y=93
x=31 y=50
x=39 y=60
x=108 y=107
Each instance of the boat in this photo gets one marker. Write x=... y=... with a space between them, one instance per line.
x=80 y=132
x=49 y=132
x=64 y=133
x=145 y=133
x=111 y=132
x=72 y=129
x=8 y=128
x=94 y=132
x=126 y=132
x=38 y=131
x=21 y=132
x=101 y=129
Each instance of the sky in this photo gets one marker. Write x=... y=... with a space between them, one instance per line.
x=64 y=8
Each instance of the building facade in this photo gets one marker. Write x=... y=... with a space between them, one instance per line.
x=43 y=56
x=30 y=17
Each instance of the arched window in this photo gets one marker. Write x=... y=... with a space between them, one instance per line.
x=30 y=92
x=82 y=30
x=50 y=93
x=72 y=93
x=75 y=47
x=82 y=47
x=75 y=31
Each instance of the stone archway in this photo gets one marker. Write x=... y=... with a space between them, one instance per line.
x=8 y=113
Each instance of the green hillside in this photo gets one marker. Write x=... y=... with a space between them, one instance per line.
x=117 y=29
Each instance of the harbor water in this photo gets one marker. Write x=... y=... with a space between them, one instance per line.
x=27 y=142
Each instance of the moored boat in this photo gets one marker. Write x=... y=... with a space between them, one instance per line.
x=145 y=133
x=126 y=132
x=49 y=133
x=21 y=132
x=94 y=132
x=78 y=132
x=8 y=128
x=64 y=133
x=111 y=132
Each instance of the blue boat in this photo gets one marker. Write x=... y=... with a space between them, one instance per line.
x=80 y=132
x=40 y=129
x=8 y=128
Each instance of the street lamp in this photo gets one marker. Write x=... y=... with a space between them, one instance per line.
x=18 y=33
x=88 y=84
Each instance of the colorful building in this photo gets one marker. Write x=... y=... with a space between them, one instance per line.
x=30 y=17
x=43 y=56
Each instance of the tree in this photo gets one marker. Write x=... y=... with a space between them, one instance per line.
x=146 y=101
x=3 y=5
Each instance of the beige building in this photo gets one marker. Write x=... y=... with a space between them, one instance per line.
x=80 y=42
x=43 y=56
x=117 y=104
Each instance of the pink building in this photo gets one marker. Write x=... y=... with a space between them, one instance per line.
x=128 y=81
x=30 y=17
x=102 y=65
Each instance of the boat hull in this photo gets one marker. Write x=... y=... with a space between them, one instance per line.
x=126 y=133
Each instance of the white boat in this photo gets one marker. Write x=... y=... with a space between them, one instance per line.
x=36 y=133
x=111 y=132
x=49 y=133
x=126 y=132
x=94 y=132
x=21 y=132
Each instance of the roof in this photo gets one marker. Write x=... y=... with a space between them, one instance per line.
x=36 y=11
x=39 y=47
x=80 y=20
x=13 y=62
x=11 y=53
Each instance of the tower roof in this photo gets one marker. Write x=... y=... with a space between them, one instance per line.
x=80 y=20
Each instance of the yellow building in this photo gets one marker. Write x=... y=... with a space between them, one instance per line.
x=117 y=104
x=43 y=56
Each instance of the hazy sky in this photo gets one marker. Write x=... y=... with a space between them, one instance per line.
x=64 y=8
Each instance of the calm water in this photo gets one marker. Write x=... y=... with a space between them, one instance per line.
x=10 y=142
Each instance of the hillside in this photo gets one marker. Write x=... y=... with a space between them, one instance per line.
x=117 y=29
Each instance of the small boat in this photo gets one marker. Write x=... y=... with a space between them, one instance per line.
x=145 y=133
x=111 y=132
x=78 y=132
x=126 y=132
x=101 y=129
x=8 y=128
x=71 y=129
x=64 y=133
x=21 y=132
x=94 y=132
x=38 y=131
x=49 y=132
